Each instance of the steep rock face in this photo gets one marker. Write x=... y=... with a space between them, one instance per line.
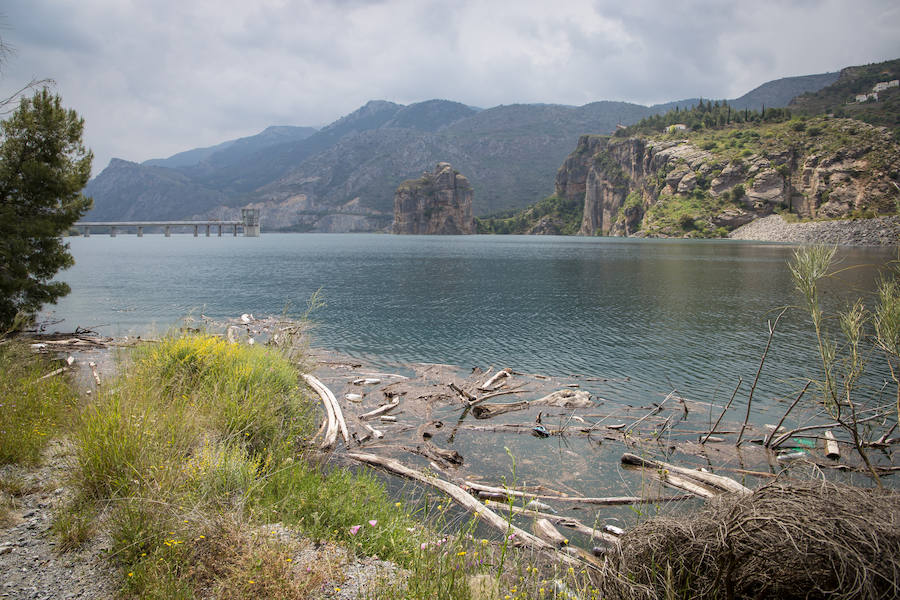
x=629 y=185
x=438 y=203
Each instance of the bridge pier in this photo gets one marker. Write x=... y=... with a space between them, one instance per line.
x=196 y=228
x=220 y=231
x=168 y=231
x=235 y=230
x=86 y=231
x=207 y=230
x=140 y=232
x=112 y=232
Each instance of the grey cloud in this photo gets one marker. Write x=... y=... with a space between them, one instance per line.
x=155 y=78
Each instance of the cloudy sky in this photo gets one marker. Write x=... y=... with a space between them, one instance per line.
x=154 y=77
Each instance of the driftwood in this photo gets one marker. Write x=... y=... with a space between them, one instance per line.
x=460 y=497
x=381 y=409
x=488 y=386
x=560 y=520
x=53 y=373
x=832 y=450
x=560 y=398
x=726 y=484
x=333 y=411
x=463 y=394
x=687 y=484
x=545 y=530
x=603 y=501
x=435 y=453
x=372 y=431
x=96 y=375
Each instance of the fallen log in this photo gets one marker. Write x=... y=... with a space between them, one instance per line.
x=488 y=386
x=331 y=426
x=602 y=501
x=687 y=484
x=381 y=409
x=96 y=375
x=560 y=520
x=460 y=497
x=832 y=450
x=721 y=482
x=545 y=530
x=560 y=398
x=329 y=400
x=451 y=456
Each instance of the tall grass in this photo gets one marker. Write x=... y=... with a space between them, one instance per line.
x=32 y=407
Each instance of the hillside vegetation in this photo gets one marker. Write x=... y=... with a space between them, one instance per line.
x=839 y=98
x=703 y=171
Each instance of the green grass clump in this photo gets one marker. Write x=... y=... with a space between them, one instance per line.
x=32 y=408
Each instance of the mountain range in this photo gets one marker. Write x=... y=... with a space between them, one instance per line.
x=342 y=177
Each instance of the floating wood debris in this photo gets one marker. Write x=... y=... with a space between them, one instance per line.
x=381 y=409
x=54 y=373
x=545 y=530
x=725 y=484
x=489 y=385
x=569 y=522
x=603 y=501
x=460 y=497
x=94 y=372
x=561 y=398
x=333 y=411
x=832 y=450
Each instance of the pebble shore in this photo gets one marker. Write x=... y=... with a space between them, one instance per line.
x=880 y=231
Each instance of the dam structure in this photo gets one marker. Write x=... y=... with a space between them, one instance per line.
x=249 y=225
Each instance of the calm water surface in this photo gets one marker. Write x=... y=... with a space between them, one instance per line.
x=685 y=314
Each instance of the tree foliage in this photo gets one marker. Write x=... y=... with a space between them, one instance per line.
x=43 y=168
x=706 y=115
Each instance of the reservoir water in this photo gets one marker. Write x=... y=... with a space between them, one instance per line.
x=665 y=313
x=630 y=319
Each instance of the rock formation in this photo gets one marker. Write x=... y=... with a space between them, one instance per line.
x=438 y=203
x=626 y=183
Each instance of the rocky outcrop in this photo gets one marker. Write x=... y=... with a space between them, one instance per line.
x=670 y=187
x=438 y=203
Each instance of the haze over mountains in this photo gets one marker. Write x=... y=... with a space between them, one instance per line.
x=343 y=176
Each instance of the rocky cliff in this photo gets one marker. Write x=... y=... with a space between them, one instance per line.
x=707 y=183
x=438 y=203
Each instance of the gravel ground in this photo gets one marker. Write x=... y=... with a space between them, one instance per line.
x=881 y=231
x=30 y=567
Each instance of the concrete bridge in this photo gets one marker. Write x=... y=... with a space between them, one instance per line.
x=249 y=224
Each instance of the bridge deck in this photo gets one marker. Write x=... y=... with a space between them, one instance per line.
x=152 y=223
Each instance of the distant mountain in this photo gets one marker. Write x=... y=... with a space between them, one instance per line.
x=233 y=151
x=779 y=93
x=343 y=176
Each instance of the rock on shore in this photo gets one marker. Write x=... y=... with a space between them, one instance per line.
x=880 y=231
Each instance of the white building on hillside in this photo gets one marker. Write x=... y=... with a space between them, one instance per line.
x=883 y=85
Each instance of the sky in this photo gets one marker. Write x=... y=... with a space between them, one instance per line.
x=155 y=77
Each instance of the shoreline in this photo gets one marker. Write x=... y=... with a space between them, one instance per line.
x=874 y=232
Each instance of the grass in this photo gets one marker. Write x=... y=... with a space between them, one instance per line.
x=33 y=407
x=194 y=463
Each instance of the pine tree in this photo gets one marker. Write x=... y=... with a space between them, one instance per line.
x=43 y=168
